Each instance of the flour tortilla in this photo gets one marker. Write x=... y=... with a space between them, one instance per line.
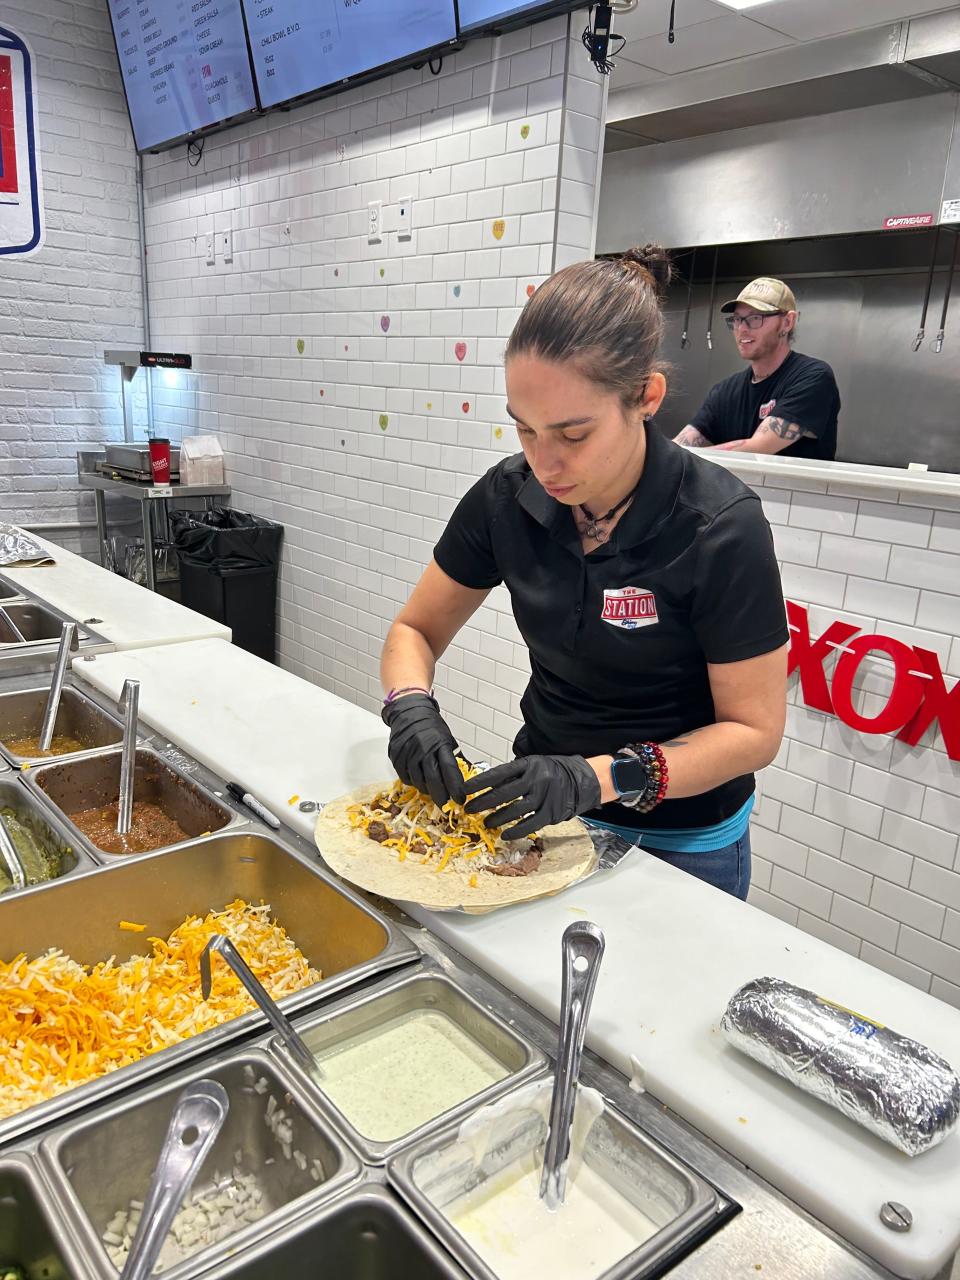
x=568 y=855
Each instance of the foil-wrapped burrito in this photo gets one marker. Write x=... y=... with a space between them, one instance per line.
x=893 y=1086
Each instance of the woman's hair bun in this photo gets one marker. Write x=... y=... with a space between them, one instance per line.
x=655 y=261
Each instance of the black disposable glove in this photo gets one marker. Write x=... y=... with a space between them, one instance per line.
x=547 y=788
x=422 y=746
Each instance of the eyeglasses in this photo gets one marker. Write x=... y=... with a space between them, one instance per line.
x=752 y=321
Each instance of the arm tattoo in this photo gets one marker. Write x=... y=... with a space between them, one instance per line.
x=681 y=742
x=788 y=431
x=690 y=435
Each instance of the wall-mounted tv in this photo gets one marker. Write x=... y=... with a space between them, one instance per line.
x=185 y=66
x=480 y=16
x=306 y=46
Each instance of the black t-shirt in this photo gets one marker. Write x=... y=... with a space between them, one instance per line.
x=620 y=639
x=803 y=391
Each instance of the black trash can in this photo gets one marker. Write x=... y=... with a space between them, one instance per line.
x=228 y=571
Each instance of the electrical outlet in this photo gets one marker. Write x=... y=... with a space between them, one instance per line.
x=405 y=218
x=226 y=245
x=375 y=222
x=209 y=249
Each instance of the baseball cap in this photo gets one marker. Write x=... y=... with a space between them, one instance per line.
x=765 y=294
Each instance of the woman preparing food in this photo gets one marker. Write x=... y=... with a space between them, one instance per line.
x=643 y=580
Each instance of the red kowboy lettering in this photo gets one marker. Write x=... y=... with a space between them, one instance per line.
x=918 y=697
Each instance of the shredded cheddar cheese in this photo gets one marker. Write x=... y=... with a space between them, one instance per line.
x=440 y=837
x=130 y=927
x=63 y=1023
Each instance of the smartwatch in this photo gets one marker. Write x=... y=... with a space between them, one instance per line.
x=630 y=775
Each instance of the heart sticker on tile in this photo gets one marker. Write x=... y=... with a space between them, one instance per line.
x=456 y=291
x=499 y=227
x=531 y=290
x=383 y=272
x=384 y=422
x=460 y=350
x=465 y=406
x=321 y=391
x=336 y=271
x=524 y=131
x=384 y=323
x=429 y=404
x=345 y=347
x=498 y=432
x=301 y=346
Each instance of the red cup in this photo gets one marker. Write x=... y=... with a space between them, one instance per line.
x=160 y=459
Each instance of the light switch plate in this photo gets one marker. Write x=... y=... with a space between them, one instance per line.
x=226 y=245
x=210 y=249
x=405 y=218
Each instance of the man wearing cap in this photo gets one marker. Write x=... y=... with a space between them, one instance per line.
x=783 y=402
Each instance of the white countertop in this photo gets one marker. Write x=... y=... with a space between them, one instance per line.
x=676 y=951
x=914 y=479
x=128 y=615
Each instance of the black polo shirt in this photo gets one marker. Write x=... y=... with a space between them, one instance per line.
x=802 y=390
x=620 y=639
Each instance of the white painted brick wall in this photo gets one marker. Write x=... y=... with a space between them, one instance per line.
x=870 y=820
x=81 y=292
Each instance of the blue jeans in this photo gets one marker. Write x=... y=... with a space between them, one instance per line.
x=727 y=868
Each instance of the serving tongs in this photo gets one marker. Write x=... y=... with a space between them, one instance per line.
x=582 y=950
x=68 y=641
x=10 y=858
x=129 y=706
x=264 y=1002
x=198 y=1117
x=18 y=635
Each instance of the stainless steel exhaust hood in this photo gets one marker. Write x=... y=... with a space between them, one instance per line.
x=890 y=63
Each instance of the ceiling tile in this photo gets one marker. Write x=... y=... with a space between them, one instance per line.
x=704 y=44
x=652 y=17
x=815 y=19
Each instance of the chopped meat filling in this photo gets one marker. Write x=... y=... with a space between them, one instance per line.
x=378 y=831
x=529 y=862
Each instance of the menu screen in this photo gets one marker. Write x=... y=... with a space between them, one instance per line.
x=487 y=13
x=184 y=63
x=303 y=45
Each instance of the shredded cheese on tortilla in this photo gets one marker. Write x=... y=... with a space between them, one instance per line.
x=63 y=1023
x=447 y=837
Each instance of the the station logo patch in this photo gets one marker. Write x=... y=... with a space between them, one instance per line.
x=767 y=409
x=21 y=201
x=629 y=607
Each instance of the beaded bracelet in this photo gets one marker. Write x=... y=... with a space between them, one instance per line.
x=658 y=775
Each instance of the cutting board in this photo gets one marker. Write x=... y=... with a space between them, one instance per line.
x=129 y=615
x=676 y=951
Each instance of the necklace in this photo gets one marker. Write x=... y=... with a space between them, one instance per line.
x=592 y=528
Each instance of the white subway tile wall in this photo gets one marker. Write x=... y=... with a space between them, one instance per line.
x=358 y=392
x=60 y=308
x=871 y=821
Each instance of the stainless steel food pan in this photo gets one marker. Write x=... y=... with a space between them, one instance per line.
x=338 y=933
x=426 y=989
x=36 y=623
x=90 y=782
x=682 y=1206
x=21 y=716
x=46 y=827
x=8 y=589
x=97 y=1165
x=32 y=1232
x=362 y=1235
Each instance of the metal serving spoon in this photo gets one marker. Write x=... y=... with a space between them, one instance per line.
x=265 y=1003
x=68 y=641
x=129 y=706
x=197 y=1118
x=10 y=858
x=582 y=950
